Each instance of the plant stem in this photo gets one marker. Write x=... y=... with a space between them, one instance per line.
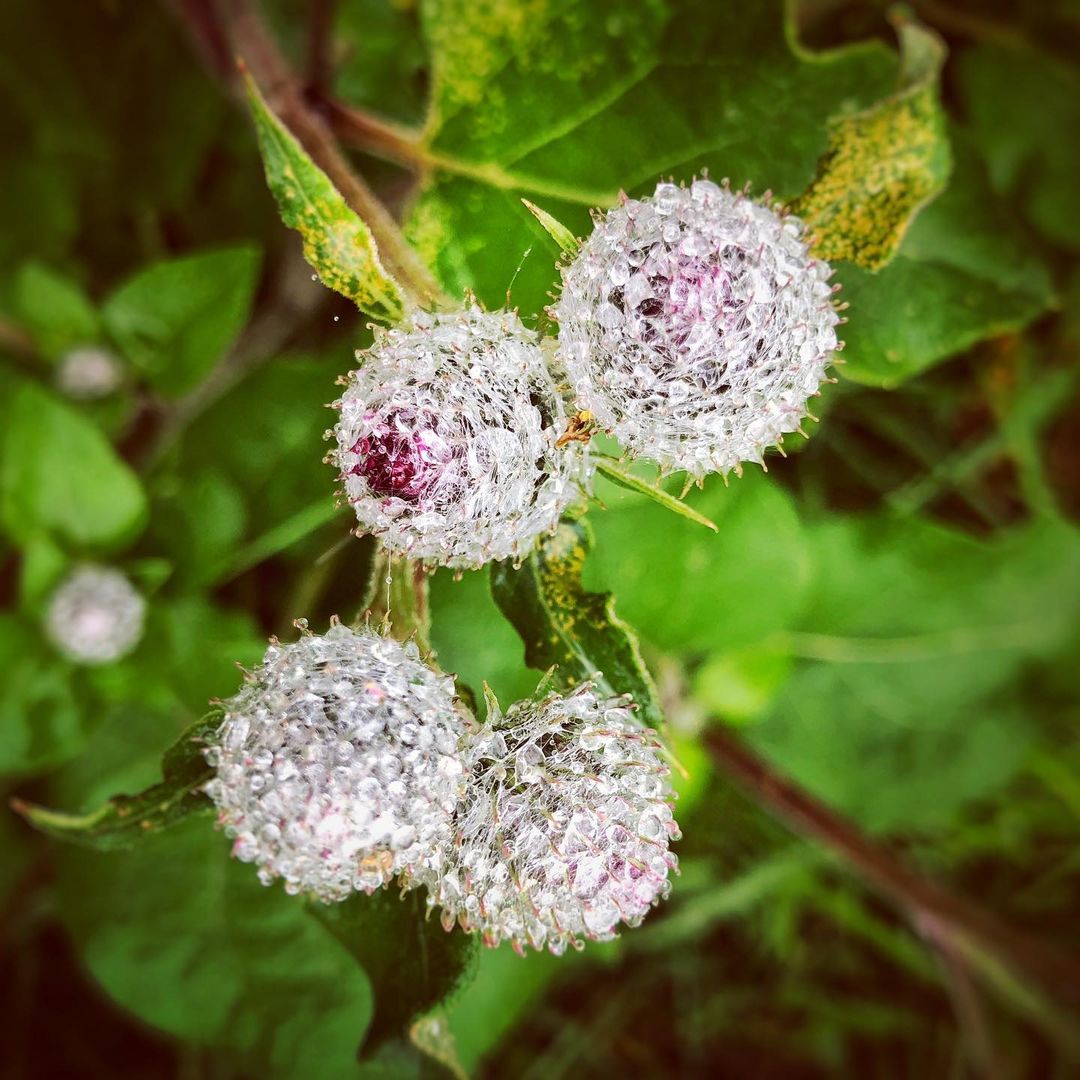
x=320 y=45
x=360 y=129
x=920 y=897
x=975 y=1035
x=199 y=18
x=240 y=22
x=398 y=597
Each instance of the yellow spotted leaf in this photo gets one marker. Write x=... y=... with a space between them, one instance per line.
x=337 y=243
x=883 y=164
x=569 y=628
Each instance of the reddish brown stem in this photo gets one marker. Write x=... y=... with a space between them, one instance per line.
x=14 y=339
x=199 y=19
x=320 y=46
x=371 y=134
x=920 y=897
x=975 y=1032
x=240 y=22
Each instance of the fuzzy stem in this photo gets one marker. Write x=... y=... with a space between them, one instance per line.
x=923 y=899
x=243 y=26
x=360 y=129
x=398 y=597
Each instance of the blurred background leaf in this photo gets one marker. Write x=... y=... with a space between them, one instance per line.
x=58 y=474
x=175 y=319
x=191 y=942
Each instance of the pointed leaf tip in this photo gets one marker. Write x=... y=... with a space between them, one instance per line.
x=121 y=821
x=626 y=479
x=558 y=232
x=338 y=244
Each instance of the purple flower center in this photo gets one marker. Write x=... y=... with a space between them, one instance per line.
x=401 y=457
x=684 y=312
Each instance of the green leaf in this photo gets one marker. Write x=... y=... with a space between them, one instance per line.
x=564 y=239
x=473 y=641
x=126 y=820
x=41 y=722
x=208 y=518
x=1020 y=102
x=276 y=539
x=59 y=474
x=380 y=61
x=412 y=962
x=883 y=164
x=190 y=941
x=143 y=704
x=507 y=987
x=231 y=502
x=337 y=243
x=54 y=310
x=563 y=624
x=965 y=272
x=198 y=645
x=176 y=319
x=738 y=686
x=569 y=103
x=622 y=476
x=43 y=565
x=688 y=589
x=903 y=708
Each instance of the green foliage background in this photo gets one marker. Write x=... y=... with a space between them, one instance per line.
x=891 y=615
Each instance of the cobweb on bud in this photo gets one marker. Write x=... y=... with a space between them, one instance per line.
x=564 y=829
x=95 y=616
x=695 y=325
x=337 y=763
x=446 y=443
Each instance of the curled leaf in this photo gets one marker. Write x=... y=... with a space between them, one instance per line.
x=884 y=164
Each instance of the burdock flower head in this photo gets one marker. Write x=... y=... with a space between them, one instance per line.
x=694 y=324
x=88 y=373
x=564 y=829
x=337 y=763
x=446 y=444
x=95 y=616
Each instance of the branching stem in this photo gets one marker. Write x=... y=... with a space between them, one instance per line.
x=922 y=899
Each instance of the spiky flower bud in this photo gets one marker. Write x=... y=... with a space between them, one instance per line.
x=88 y=373
x=695 y=324
x=95 y=616
x=446 y=445
x=337 y=763
x=564 y=829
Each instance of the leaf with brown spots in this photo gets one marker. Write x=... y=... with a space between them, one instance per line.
x=882 y=164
